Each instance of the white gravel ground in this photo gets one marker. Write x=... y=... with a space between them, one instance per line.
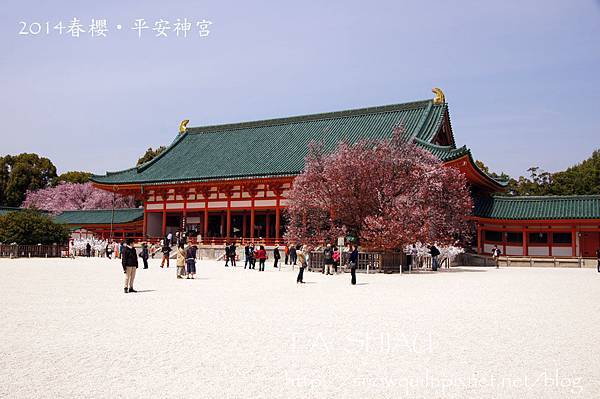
x=68 y=330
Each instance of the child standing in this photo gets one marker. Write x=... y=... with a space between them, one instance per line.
x=180 y=261
x=191 y=261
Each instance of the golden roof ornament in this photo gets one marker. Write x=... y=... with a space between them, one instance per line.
x=183 y=126
x=439 y=96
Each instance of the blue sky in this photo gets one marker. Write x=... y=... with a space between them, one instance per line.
x=521 y=77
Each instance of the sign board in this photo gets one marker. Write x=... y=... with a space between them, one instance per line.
x=340 y=242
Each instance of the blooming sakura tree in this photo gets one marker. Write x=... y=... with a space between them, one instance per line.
x=73 y=196
x=386 y=193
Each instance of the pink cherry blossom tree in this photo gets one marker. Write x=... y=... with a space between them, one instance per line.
x=74 y=196
x=386 y=194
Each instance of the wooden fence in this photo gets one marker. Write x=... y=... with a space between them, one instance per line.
x=33 y=251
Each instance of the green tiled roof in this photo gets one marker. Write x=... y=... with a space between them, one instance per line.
x=531 y=208
x=5 y=209
x=100 y=216
x=277 y=147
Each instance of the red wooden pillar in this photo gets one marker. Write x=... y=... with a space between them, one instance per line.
x=205 y=221
x=252 y=218
x=277 y=219
x=550 y=242
x=525 y=245
x=573 y=241
x=164 y=215
x=228 y=232
x=504 y=240
x=185 y=201
x=479 y=239
x=145 y=228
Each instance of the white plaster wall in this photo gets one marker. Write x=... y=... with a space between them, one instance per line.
x=538 y=251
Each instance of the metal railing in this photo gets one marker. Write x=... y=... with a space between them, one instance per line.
x=34 y=251
x=368 y=262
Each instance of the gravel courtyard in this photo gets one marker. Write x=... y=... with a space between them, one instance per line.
x=68 y=330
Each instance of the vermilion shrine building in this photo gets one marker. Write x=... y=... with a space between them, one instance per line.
x=230 y=181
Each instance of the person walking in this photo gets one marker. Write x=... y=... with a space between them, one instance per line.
x=227 y=248
x=108 y=251
x=434 y=257
x=287 y=254
x=598 y=256
x=328 y=260
x=276 y=255
x=301 y=258
x=233 y=253
x=336 y=259
x=145 y=255
x=166 y=253
x=247 y=255
x=353 y=263
x=180 y=261
x=88 y=250
x=170 y=239
x=190 y=260
x=261 y=255
x=130 y=263
x=293 y=255
x=121 y=248
x=496 y=252
x=413 y=257
x=252 y=257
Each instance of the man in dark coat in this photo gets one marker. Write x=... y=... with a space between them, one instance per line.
x=145 y=255
x=293 y=255
x=434 y=257
x=130 y=264
x=247 y=256
x=598 y=256
x=276 y=255
x=227 y=249
x=353 y=263
x=328 y=259
x=88 y=249
x=232 y=253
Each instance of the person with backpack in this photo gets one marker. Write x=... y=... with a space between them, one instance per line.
x=130 y=263
x=166 y=253
x=261 y=255
x=276 y=255
x=328 y=260
x=190 y=260
x=496 y=252
x=301 y=257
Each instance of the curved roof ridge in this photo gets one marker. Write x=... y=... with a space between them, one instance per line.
x=309 y=117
